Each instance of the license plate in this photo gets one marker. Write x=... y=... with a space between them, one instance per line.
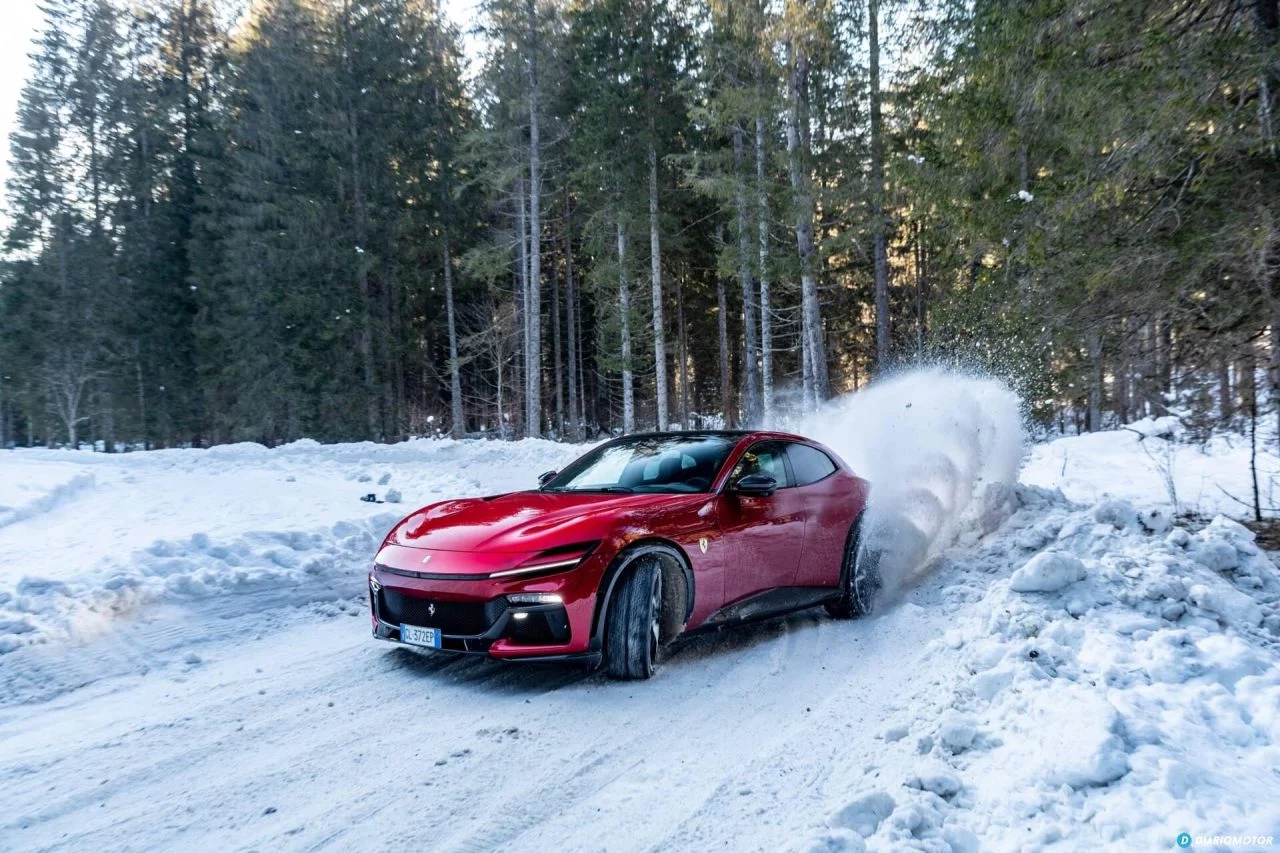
x=416 y=636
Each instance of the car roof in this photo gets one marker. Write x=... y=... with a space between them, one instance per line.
x=717 y=433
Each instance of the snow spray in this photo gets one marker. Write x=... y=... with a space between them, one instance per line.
x=941 y=450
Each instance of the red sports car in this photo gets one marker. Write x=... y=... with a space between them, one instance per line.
x=643 y=539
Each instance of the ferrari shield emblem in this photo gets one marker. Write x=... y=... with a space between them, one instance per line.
x=702 y=544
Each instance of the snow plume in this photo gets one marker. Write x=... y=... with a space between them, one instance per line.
x=941 y=450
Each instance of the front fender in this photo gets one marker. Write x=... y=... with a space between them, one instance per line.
x=664 y=549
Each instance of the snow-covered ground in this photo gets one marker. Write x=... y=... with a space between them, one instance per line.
x=1152 y=463
x=185 y=663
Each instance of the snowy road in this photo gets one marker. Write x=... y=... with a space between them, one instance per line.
x=316 y=736
x=190 y=667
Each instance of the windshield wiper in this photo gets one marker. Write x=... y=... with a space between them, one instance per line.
x=612 y=489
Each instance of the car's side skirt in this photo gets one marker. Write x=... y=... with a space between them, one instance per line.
x=771 y=602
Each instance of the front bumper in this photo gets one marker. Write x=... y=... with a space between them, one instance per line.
x=477 y=617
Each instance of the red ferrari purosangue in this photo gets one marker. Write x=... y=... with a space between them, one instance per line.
x=643 y=539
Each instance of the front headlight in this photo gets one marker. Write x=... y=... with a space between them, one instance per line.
x=552 y=560
x=535 y=598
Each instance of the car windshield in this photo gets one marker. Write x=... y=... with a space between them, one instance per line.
x=673 y=464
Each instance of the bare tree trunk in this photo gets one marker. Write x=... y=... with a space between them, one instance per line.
x=1225 y=402
x=922 y=289
x=1167 y=376
x=142 y=403
x=526 y=330
x=797 y=155
x=533 y=374
x=722 y=317
x=557 y=349
x=683 y=355
x=1246 y=380
x=766 y=309
x=362 y=271
x=457 y=426
x=624 y=307
x=750 y=347
x=1253 y=455
x=1267 y=18
x=806 y=374
x=499 y=359
x=571 y=329
x=1274 y=364
x=1094 y=339
x=879 y=225
x=655 y=265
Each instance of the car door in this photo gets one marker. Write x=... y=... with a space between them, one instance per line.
x=765 y=533
x=828 y=509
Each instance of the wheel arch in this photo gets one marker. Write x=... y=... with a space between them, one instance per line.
x=674 y=563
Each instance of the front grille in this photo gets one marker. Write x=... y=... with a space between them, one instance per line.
x=465 y=618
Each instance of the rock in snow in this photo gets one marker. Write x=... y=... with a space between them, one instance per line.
x=1048 y=571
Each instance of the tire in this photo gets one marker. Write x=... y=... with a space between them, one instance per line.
x=859 y=578
x=633 y=633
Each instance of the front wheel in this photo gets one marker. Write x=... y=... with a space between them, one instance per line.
x=633 y=633
x=859 y=578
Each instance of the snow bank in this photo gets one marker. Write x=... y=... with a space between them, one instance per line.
x=1111 y=687
x=85 y=537
x=28 y=489
x=1151 y=463
x=941 y=450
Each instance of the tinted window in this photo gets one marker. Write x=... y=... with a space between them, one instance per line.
x=762 y=458
x=809 y=464
x=647 y=464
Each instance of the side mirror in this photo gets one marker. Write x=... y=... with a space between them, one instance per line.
x=756 y=485
x=546 y=477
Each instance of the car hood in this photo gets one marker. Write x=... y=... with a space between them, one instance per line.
x=521 y=522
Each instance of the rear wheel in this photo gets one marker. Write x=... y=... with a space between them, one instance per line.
x=859 y=578
x=633 y=633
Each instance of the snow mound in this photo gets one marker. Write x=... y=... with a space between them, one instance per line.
x=1137 y=693
x=941 y=450
x=1048 y=571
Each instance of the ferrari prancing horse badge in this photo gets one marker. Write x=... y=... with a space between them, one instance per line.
x=702 y=544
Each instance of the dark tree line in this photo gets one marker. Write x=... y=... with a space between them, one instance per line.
x=293 y=218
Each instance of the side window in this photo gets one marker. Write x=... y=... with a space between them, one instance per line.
x=809 y=464
x=762 y=458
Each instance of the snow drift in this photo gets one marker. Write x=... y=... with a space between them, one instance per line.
x=88 y=538
x=941 y=450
